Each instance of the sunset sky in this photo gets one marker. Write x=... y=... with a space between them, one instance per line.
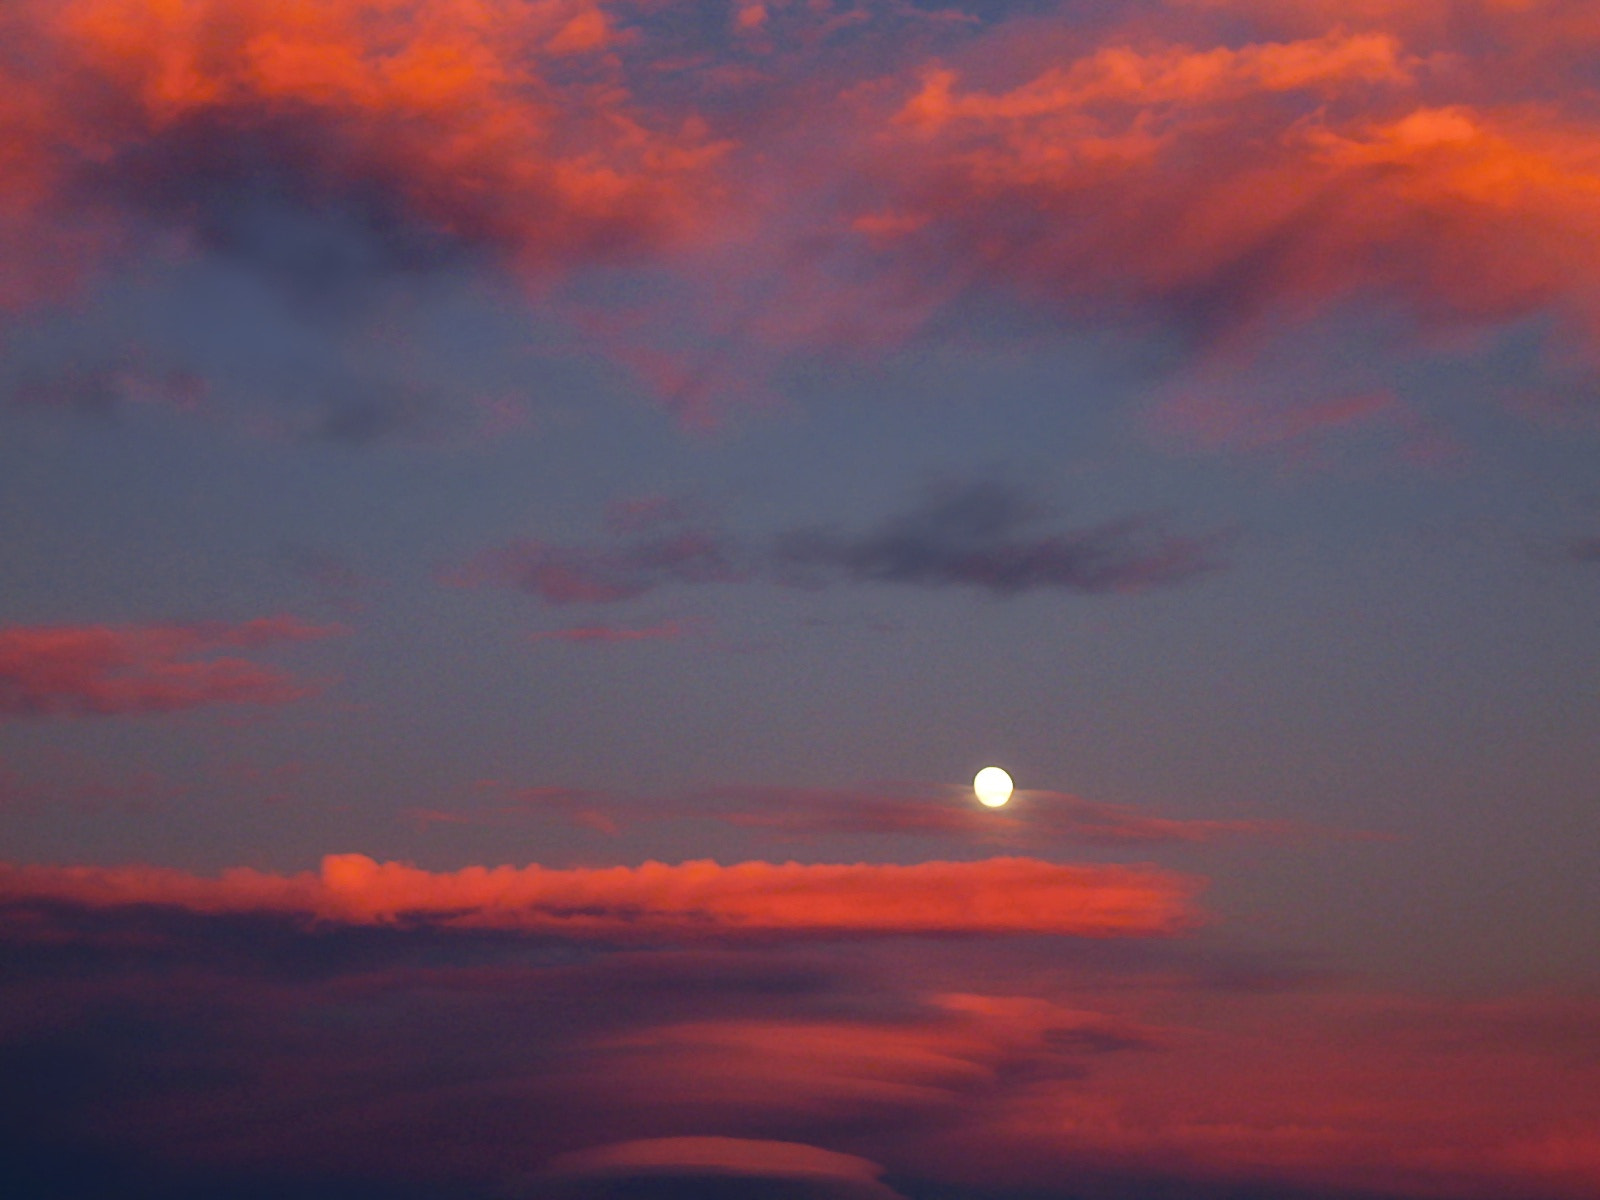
x=521 y=519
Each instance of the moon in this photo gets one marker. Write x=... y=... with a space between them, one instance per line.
x=993 y=787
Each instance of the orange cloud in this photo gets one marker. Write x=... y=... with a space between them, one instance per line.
x=1238 y=187
x=105 y=670
x=499 y=123
x=694 y=899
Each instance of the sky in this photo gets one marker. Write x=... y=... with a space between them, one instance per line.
x=522 y=519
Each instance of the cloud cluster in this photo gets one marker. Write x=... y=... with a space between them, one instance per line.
x=657 y=900
x=107 y=670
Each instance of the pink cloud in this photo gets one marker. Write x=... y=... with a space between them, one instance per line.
x=106 y=670
x=691 y=900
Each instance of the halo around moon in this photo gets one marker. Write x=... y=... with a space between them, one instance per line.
x=993 y=787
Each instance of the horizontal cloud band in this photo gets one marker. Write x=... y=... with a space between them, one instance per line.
x=687 y=900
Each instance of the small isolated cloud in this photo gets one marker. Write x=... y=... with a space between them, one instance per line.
x=994 y=536
x=113 y=670
x=804 y=1172
x=688 y=901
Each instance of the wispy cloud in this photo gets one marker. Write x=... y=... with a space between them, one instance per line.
x=109 y=670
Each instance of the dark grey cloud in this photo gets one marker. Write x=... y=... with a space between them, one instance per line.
x=996 y=537
x=991 y=536
x=286 y=196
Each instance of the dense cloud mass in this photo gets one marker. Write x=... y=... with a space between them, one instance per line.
x=420 y=127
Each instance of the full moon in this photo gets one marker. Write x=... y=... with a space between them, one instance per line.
x=993 y=786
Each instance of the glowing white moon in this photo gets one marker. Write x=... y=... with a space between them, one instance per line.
x=993 y=786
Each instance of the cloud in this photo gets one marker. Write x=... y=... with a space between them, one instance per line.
x=824 y=1173
x=1238 y=168
x=335 y=139
x=652 y=544
x=985 y=535
x=692 y=900
x=110 y=670
x=180 y=1044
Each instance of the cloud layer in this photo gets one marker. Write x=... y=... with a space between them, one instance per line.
x=200 y=1050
